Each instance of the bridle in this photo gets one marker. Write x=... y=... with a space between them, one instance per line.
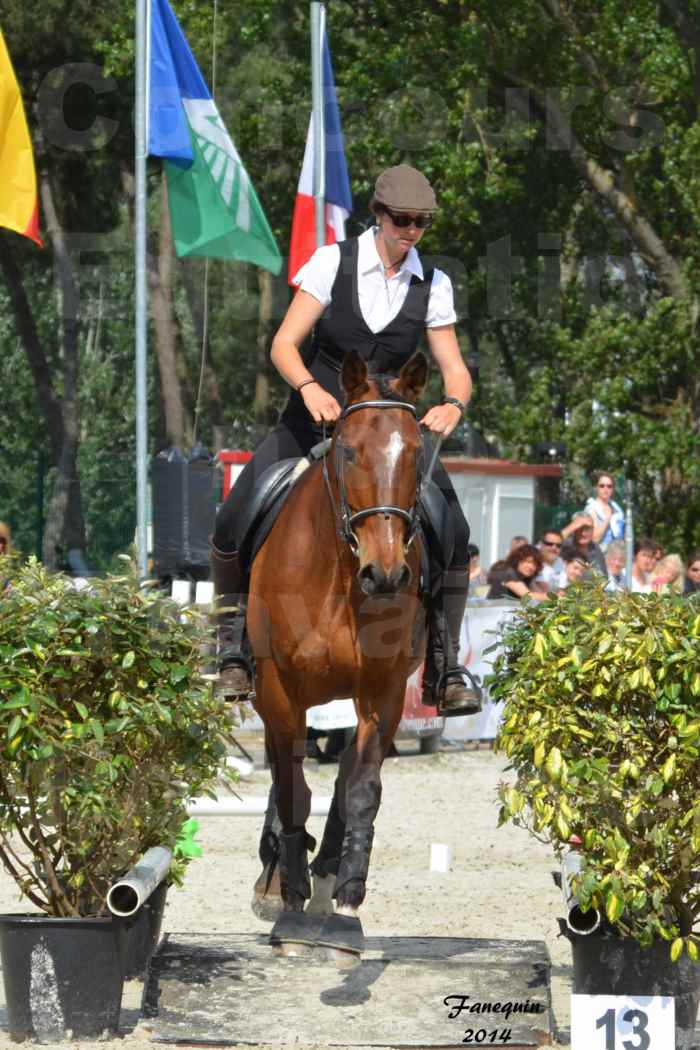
x=347 y=519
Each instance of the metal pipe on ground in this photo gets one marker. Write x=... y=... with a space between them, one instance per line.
x=247 y=807
x=577 y=920
x=128 y=894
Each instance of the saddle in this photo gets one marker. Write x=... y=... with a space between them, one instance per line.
x=274 y=485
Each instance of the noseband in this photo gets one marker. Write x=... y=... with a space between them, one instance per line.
x=348 y=519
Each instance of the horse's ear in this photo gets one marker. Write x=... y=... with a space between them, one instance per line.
x=412 y=377
x=353 y=376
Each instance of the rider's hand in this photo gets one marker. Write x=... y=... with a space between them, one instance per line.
x=320 y=404
x=441 y=419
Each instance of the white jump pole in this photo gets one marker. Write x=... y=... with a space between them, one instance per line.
x=247 y=807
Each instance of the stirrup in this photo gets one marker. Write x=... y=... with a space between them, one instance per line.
x=465 y=689
x=234 y=676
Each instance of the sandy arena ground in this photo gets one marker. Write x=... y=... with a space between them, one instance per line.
x=499 y=883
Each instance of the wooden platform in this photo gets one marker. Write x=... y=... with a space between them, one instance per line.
x=220 y=990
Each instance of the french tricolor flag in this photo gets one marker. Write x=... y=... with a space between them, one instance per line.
x=337 y=195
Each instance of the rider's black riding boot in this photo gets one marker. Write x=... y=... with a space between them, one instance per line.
x=446 y=683
x=233 y=664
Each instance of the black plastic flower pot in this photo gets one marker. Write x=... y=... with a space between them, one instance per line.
x=143 y=932
x=63 y=977
x=605 y=964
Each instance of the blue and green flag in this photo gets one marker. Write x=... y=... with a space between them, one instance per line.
x=214 y=209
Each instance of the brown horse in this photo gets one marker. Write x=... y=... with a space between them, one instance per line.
x=334 y=611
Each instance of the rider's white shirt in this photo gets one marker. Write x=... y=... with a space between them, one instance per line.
x=381 y=297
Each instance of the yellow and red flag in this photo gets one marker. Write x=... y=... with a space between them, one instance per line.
x=19 y=205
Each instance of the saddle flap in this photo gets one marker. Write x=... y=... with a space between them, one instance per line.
x=436 y=521
x=270 y=490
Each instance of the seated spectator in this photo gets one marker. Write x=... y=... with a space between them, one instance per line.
x=552 y=565
x=616 y=561
x=642 y=566
x=607 y=516
x=515 y=577
x=668 y=576
x=575 y=566
x=478 y=580
x=580 y=539
x=691 y=584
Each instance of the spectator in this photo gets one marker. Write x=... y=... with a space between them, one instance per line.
x=5 y=538
x=517 y=541
x=515 y=577
x=5 y=548
x=478 y=580
x=575 y=566
x=668 y=575
x=607 y=515
x=552 y=567
x=691 y=583
x=616 y=561
x=581 y=541
x=642 y=566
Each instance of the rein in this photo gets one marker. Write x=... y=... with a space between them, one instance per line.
x=347 y=518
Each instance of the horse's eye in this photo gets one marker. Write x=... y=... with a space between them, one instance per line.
x=349 y=454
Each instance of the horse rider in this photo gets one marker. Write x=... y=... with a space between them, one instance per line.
x=371 y=294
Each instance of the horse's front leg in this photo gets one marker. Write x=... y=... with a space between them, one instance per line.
x=378 y=719
x=285 y=735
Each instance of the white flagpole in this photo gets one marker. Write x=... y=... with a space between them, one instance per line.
x=318 y=21
x=140 y=290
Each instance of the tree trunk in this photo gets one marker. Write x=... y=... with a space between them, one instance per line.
x=177 y=428
x=261 y=404
x=65 y=525
x=210 y=382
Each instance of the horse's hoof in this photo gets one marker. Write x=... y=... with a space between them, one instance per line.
x=289 y=950
x=340 y=957
x=267 y=903
x=267 y=908
x=321 y=902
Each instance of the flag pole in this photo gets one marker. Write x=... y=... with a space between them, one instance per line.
x=318 y=19
x=140 y=321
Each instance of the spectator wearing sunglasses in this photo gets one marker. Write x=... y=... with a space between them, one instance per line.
x=608 y=516
x=552 y=565
x=368 y=294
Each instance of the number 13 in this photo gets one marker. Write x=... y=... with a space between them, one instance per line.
x=637 y=1018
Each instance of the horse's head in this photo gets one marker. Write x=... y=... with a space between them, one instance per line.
x=377 y=455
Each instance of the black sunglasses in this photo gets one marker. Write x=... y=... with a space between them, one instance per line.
x=551 y=543
x=421 y=222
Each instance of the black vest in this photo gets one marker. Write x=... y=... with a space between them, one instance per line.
x=342 y=327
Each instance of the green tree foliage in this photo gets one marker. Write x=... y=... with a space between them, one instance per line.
x=563 y=139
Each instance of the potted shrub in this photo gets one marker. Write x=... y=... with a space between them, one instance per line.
x=602 y=728
x=107 y=727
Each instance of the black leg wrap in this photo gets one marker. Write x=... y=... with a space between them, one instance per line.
x=327 y=860
x=269 y=847
x=294 y=863
x=354 y=860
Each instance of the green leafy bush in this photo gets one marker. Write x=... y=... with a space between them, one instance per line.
x=602 y=726
x=107 y=727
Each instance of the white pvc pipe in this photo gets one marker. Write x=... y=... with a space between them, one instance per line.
x=128 y=894
x=578 y=921
x=247 y=807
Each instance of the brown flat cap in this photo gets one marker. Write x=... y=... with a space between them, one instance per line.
x=404 y=189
